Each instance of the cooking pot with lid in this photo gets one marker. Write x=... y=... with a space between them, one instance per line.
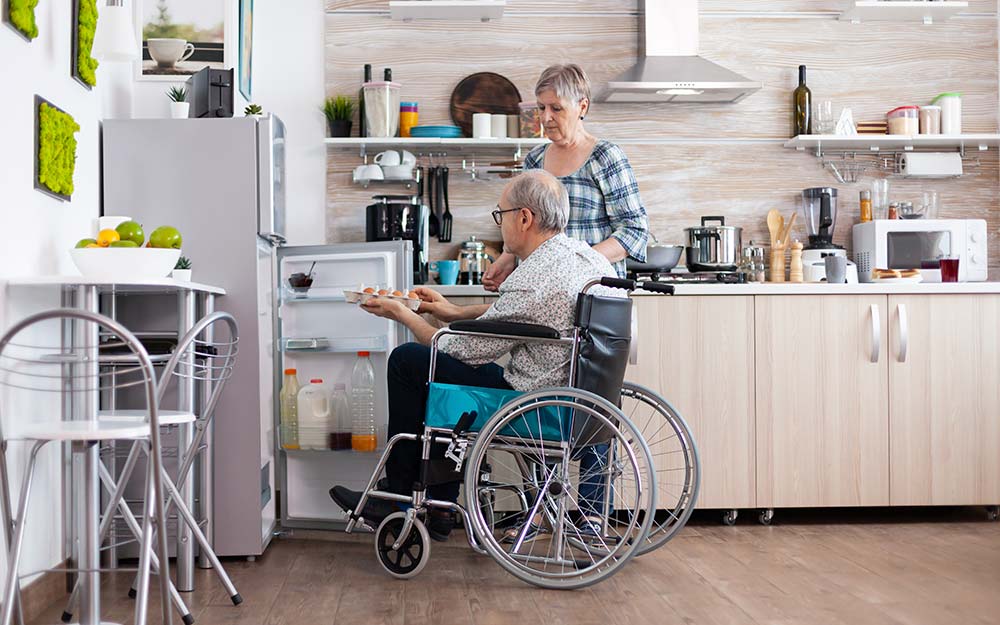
x=713 y=248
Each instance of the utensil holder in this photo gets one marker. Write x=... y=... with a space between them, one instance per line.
x=777 y=264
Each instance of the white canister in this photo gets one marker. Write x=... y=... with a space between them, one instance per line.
x=482 y=126
x=498 y=124
x=951 y=112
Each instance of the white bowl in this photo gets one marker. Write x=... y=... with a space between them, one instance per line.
x=124 y=264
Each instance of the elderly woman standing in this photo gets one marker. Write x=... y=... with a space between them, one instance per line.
x=605 y=208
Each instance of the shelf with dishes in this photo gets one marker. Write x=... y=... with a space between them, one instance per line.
x=366 y=144
x=893 y=143
x=926 y=11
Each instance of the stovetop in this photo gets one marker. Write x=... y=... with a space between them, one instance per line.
x=705 y=277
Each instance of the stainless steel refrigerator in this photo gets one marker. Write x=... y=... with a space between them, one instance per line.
x=221 y=183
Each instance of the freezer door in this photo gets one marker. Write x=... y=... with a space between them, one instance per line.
x=319 y=334
x=271 y=179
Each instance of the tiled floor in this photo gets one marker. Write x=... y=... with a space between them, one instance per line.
x=885 y=568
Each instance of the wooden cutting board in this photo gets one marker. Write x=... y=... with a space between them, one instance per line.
x=483 y=92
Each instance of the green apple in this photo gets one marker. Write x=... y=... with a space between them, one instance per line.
x=85 y=242
x=124 y=244
x=166 y=237
x=131 y=231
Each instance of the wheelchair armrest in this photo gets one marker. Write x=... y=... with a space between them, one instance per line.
x=507 y=328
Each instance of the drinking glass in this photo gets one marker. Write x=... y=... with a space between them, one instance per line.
x=949 y=269
x=823 y=123
x=930 y=205
x=880 y=198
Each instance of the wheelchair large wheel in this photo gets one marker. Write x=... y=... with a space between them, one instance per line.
x=540 y=437
x=675 y=456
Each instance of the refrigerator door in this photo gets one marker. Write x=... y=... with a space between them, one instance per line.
x=319 y=334
x=271 y=179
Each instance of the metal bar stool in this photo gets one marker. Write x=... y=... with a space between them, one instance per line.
x=199 y=357
x=31 y=370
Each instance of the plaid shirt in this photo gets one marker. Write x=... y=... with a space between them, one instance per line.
x=603 y=200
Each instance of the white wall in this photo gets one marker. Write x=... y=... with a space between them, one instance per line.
x=288 y=80
x=39 y=230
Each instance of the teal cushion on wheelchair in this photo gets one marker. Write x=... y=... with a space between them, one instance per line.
x=447 y=402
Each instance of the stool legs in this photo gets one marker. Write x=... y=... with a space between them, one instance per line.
x=14 y=556
x=8 y=521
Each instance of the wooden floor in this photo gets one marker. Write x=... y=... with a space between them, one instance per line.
x=851 y=568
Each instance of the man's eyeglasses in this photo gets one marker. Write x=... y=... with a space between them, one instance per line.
x=498 y=213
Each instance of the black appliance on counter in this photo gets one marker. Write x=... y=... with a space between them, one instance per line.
x=404 y=217
x=210 y=93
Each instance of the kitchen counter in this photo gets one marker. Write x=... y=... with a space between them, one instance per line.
x=787 y=288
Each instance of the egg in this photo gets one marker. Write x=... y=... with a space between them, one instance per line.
x=397 y=294
x=370 y=291
x=383 y=292
x=413 y=295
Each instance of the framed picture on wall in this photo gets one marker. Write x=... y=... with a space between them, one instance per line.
x=246 y=47
x=180 y=37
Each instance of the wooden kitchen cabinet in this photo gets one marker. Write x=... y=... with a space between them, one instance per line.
x=698 y=353
x=822 y=401
x=944 y=417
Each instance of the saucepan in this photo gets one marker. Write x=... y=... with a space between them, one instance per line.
x=660 y=258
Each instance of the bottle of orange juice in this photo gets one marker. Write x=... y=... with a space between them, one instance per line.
x=363 y=432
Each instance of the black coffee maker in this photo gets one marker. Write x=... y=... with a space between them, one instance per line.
x=395 y=217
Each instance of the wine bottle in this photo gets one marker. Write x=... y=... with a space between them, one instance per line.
x=362 y=118
x=802 y=106
x=387 y=74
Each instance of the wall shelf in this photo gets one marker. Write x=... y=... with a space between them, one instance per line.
x=893 y=143
x=924 y=11
x=366 y=144
x=483 y=10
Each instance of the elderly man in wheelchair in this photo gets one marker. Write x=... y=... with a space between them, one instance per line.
x=514 y=436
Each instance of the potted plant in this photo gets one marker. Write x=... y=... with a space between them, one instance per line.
x=253 y=110
x=182 y=270
x=339 y=111
x=179 y=107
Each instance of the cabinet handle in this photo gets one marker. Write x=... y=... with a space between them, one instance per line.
x=904 y=331
x=876 y=333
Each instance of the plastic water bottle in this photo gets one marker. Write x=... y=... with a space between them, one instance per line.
x=314 y=415
x=340 y=419
x=363 y=432
x=290 y=410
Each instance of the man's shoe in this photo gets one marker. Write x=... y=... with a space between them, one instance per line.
x=375 y=509
x=440 y=523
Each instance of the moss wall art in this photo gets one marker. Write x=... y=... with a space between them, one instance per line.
x=84 y=27
x=55 y=149
x=20 y=15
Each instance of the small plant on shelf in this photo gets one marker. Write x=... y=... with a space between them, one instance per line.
x=183 y=263
x=179 y=106
x=253 y=109
x=182 y=270
x=339 y=111
x=177 y=94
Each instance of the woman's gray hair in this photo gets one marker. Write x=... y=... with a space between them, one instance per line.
x=569 y=82
x=544 y=195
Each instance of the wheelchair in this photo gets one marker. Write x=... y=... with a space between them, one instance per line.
x=561 y=486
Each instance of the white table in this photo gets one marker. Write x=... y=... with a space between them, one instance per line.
x=84 y=293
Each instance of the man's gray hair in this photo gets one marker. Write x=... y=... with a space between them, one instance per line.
x=569 y=82
x=544 y=195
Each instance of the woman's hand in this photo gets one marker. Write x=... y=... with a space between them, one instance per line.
x=498 y=271
x=386 y=308
x=436 y=305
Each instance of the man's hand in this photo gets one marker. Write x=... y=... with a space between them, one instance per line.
x=435 y=304
x=498 y=271
x=387 y=308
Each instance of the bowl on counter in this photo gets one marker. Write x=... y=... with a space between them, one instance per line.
x=123 y=264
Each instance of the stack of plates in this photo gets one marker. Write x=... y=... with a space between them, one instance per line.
x=437 y=132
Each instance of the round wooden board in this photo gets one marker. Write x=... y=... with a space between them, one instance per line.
x=483 y=92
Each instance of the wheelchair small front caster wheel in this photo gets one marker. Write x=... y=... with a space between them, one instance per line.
x=412 y=555
x=766 y=516
x=992 y=513
x=729 y=517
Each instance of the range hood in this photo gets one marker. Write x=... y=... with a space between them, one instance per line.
x=670 y=70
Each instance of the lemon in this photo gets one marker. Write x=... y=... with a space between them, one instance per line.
x=106 y=236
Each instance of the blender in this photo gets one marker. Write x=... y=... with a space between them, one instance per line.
x=819 y=211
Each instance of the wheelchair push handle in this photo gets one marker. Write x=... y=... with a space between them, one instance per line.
x=631 y=285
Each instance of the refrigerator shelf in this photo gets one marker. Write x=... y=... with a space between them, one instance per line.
x=286 y=299
x=377 y=452
x=335 y=345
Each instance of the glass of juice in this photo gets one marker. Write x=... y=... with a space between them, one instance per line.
x=949 y=269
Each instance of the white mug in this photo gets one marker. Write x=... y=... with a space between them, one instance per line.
x=481 y=127
x=389 y=158
x=166 y=52
x=498 y=126
x=398 y=172
x=407 y=158
x=364 y=173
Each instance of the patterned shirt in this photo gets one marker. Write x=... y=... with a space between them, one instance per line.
x=543 y=290
x=603 y=200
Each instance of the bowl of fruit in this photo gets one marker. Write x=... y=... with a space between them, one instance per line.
x=122 y=254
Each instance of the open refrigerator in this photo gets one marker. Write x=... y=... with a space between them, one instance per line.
x=319 y=333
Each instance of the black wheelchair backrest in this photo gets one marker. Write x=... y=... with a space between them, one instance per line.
x=606 y=335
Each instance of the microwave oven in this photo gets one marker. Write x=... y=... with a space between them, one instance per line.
x=918 y=244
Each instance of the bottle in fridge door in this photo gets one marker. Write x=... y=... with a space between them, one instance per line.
x=314 y=415
x=289 y=400
x=340 y=418
x=363 y=432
